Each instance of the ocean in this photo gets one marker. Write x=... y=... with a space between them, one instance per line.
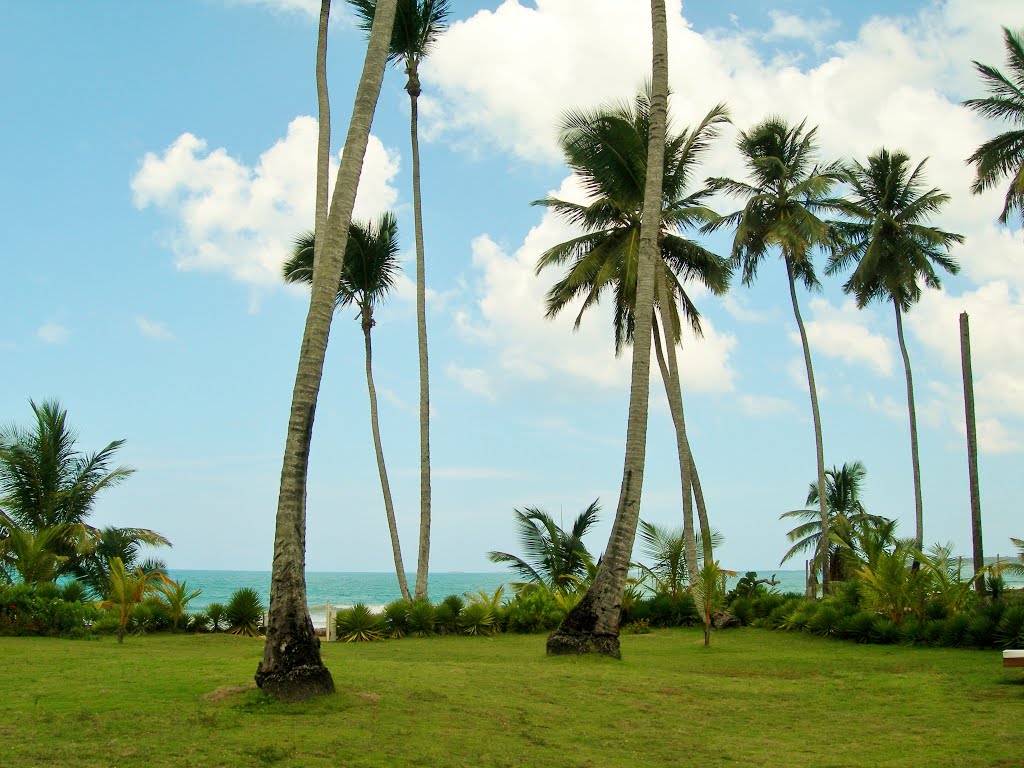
x=374 y=589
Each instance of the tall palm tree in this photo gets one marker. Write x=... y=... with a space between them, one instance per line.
x=368 y=276
x=607 y=149
x=1003 y=156
x=784 y=200
x=847 y=516
x=555 y=558
x=418 y=23
x=592 y=626
x=292 y=668
x=893 y=250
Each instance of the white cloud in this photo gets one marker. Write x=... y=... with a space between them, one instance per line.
x=309 y=7
x=888 y=406
x=230 y=217
x=765 y=405
x=842 y=333
x=472 y=380
x=53 y=333
x=153 y=329
x=786 y=26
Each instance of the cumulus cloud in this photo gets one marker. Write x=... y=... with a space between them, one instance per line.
x=309 y=7
x=473 y=380
x=153 y=329
x=239 y=219
x=53 y=333
x=787 y=26
x=765 y=405
x=841 y=333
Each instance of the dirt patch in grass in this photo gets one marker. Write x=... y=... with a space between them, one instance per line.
x=227 y=691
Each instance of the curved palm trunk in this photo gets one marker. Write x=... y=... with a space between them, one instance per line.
x=423 y=556
x=824 y=546
x=972 y=446
x=675 y=406
x=592 y=626
x=291 y=668
x=385 y=486
x=918 y=506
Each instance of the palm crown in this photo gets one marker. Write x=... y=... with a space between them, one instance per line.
x=607 y=149
x=418 y=23
x=888 y=240
x=1004 y=155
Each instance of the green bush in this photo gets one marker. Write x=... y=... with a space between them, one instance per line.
x=800 y=615
x=1010 y=633
x=396 y=618
x=858 y=627
x=74 y=592
x=216 y=617
x=421 y=619
x=954 y=632
x=531 y=611
x=358 y=624
x=825 y=621
x=151 y=615
x=446 y=614
x=981 y=630
x=664 y=610
x=27 y=610
x=639 y=627
x=477 y=619
x=244 y=612
x=743 y=609
x=885 y=631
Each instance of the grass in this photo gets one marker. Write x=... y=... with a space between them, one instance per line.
x=755 y=698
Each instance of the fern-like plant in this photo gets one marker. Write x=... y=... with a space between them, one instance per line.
x=477 y=619
x=358 y=624
x=244 y=612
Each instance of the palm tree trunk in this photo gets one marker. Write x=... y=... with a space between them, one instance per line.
x=914 y=457
x=385 y=486
x=820 y=451
x=291 y=668
x=675 y=406
x=423 y=557
x=972 y=447
x=592 y=626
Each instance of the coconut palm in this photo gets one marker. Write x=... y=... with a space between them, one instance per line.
x=1014 y=567
x=126 y=590
x=593 y=623
x=893 y=250
x=418 y=23
x=555 y=558
x=371 y=268
x=34 y=556
x=785 y=198
x=292 y=668
x=1003 y=156
x=607 y=149
x=103 y=545
x=847 y=517
x=666 y=550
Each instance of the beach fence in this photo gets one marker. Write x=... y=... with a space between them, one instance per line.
x=330 y=612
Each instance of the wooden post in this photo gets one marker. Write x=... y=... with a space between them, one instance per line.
x=972 y=448
x=330 y=624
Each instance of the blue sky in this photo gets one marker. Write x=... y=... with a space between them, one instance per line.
x=159 y=158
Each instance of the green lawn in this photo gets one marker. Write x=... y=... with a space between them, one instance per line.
x=756 y=698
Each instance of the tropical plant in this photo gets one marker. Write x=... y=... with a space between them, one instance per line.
x=893 y=250
x=176 y=596
x=947 y=583
x=244 y=612
x=126 y=591
x=107 y=543
x=477 y=619
x=847 y=518
x=555 y=558
x=35 y=557
x=367 y=277
x=216 y=614
x=890 y=585
x=396 y=618
x=447 y=613
x=418 y=23
x=1015 y=568
x=1003 y=156
x=785 y=199
x=666 y=550
x=358 y=624
x=592 y=626
x=421 y=618
x=607 y=150
x=709 y=594
x=291 y=668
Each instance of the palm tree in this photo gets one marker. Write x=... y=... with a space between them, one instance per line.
x=667 y=551
x=292 y=668
x=593 y=623
x=33 y=557
x=126 y=590
x=555 y=558
x=418 y=23
x=607 y=149
x=371 y=266
x=1015 y=567
x=847 y=517
x=787 y=194
x=1004 y=155
x=893 y=250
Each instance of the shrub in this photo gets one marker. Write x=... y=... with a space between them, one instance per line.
x=447 y=614
x=151 y=615
x=533 y=611
x=27 y=610
x=981 y=631
x=358 y=624
x=244 y=612
x=885 y=631
x=914 y=632
x=421 y=618
x=954 y=633
x=858 y=627
x=798 y=618
x=640 y=627
x=477 y=619
x=825 y=621
x=665 y=611
x=216 y=617
x=743 y=609
x=396 y=618
x=74 y=592
x=1010 y=633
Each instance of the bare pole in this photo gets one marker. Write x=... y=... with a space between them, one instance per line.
x=972 y=448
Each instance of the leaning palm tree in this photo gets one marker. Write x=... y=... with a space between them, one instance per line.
x=554 y=558
x=292 y=668
x=418 y=23
x=784 y=200
x=593 y=623
x=607 y=149
x=1003 y=156
x=847 y=517
x=893 y=249
x=371 y=267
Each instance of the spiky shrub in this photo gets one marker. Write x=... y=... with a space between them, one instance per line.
x=216 y=618
x=47 y=590
x=664 y=610
x=477 y=619
x=825 y=621
x=800 y=616
x=149 y=616
x=447 y=614
x=195 y=622
x=396 y=618
x=856 y=627
x=914 y=632
x=885 y=631
x=244 y=612
x=74 y=592
x=954 y=633
x=981 y=631
x=422 y=619
x=358 y=624
x=1010 y=633
x=743 y=609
